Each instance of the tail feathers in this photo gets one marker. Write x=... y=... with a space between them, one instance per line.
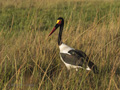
x=95 y=70
x=93 y=67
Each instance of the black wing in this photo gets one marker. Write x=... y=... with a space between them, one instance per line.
x=75 y=58
x=78 y=58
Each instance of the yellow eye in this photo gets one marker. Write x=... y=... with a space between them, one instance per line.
x=58 y=21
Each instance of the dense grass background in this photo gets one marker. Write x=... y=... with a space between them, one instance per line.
x=29 y=59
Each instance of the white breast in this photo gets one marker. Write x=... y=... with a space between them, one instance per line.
x=64 y=48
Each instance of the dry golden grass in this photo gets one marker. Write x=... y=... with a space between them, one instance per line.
x=29 y=59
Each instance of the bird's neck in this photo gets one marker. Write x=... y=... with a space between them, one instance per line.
x=60 y=35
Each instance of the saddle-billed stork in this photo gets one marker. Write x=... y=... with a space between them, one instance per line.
x=71 y=57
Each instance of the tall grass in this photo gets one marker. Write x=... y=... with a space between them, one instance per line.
x=29 y=59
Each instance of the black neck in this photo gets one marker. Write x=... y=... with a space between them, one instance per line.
x=60 y=35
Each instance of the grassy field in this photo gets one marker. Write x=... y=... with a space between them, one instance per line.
x=29 y=59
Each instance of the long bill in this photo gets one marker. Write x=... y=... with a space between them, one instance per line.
x=56 y=26
x=52 y=31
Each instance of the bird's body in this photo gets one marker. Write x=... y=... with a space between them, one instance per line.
x=71 y=57
x=64 y=52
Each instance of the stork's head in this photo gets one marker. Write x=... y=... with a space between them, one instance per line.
x=60 y=22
